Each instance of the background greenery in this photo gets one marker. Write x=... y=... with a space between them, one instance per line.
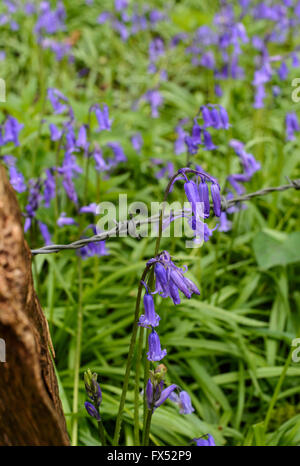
x=227 y=348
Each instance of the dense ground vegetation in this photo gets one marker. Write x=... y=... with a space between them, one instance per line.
x=154 y=64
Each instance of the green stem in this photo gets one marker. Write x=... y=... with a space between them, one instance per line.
x=77 y=357
x=277 y=391
x=101 y=433
x=137 y=388
x=129 y=359
x=147 y=428
x=146 y=376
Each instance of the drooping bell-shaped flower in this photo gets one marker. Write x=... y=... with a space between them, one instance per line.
x=150 y=318
x=204 y=197
x=185 y=403
x=155 y=352
x=216 y=198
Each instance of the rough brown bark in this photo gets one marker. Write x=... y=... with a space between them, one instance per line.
x=30 y=408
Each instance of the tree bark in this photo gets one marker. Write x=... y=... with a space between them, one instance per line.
x=30 y=408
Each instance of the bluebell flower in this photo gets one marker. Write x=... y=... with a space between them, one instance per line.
x=183 y=400
x=137 y=142
x=150 y=318
x=157 y=395
x=49 y=187
x=155 y=100
x=64 y=220
x=55 y=133
x=12 y=129
x=59 y=102
x=45 y=233
x=216 y=198
x=170 y=279
x=92 y=411
x=202 y=442
x=155 y=352
x=100 y=163
x=118 y=152
x=102 y=116
x=33 y=202
x=291 y=126
x=16 y=178
x=283 y=71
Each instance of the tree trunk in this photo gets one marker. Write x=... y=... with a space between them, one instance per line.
x=30 y=407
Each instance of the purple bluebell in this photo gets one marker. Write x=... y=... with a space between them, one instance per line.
x=155 y=352
x=137 y=142
x=33 y=202
x=16 y=178
x=100 y=163
x=50 y=21
x=118 y=152
x=283 y=71
x=121 y=5
x=170 y=279
x=166 y=170
x=45 y=233
x=96 y=248
x=207 y=141
x=12 y=129
x=55 y=133
x=102 y=115
x=64 y=220
x=69 y=169
x=225 y=224
x=204 y=197
x=104 y=17
x=58 y=101
x=89 y=209
x=82 y=141
x=183 y=400
x=49 y=187
x=155 y=100
x=260 y=95
x=92 y=411
x=202 y=442
x=179 y=145
x=156 y=395
x=291 y=126
x=150 y=318
x=216 y=198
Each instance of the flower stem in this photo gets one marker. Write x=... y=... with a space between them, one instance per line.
x=147 y=428
x=77 y=357
x=277 y=390
x=129 y=359
x=101 y=433
x=137 y=388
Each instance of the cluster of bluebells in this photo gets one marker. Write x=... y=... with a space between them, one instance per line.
x=198 y=194
x=250 y=166
x=72 y=139
x=213 y=116
x=49 y=22
x=128 y=23
x=169 y=281
x=157 y=393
